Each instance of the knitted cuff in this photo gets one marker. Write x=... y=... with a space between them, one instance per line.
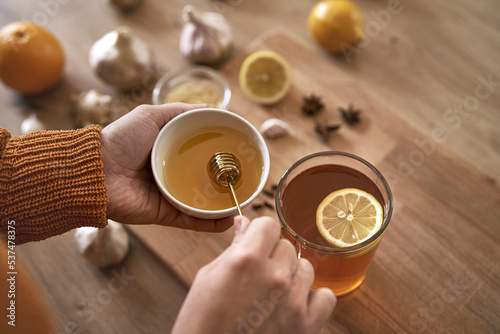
x=52 y=182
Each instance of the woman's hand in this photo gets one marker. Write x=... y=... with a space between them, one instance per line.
x=133 y=195
x=256 y=286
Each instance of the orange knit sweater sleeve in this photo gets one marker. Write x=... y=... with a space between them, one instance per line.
x=51 y=182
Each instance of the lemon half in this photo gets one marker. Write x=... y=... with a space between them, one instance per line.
x=347 y=217
x=265 y=77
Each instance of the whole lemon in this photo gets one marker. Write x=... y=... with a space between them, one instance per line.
x=336 y=25
x=31 y=58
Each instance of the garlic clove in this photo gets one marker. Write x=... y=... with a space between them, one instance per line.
x=103 y=247
x=30 y=124
x=122 y=59
x=274 y=128
x=206 y=37
x=93 y=107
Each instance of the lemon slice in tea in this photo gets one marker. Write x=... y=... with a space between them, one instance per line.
x=265 y=77
x=347 y=217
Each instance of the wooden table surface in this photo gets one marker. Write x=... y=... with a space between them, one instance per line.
x=425 y=63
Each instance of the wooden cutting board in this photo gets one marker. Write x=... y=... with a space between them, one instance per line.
x=438 y=267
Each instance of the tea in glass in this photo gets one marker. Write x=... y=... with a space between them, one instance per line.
x=301 y=190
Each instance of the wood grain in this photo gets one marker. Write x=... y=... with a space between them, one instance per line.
x=439 y=257
x=139 y=295
x=421 y=63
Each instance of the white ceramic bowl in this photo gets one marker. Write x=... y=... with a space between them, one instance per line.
x=197 y=120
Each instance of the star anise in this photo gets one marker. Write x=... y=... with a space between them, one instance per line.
x=324 y=130
x=350 y=115
x=257 y=206
x=269 y=193
x=312 y=105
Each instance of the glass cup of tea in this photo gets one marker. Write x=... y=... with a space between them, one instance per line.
x=183 y=149
x=303 y=188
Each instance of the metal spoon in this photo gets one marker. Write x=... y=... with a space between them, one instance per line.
x=224 y=169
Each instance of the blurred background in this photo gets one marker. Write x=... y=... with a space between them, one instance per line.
x=425 y=59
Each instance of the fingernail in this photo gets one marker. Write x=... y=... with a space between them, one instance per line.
x=238 y=221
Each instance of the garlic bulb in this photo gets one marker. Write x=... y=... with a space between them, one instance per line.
x=103 y=247
x=30 y=124
x=206 y=37
x=122 y=59
x=274 y=128
x=93 y=107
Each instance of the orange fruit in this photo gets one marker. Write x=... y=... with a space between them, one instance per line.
x=31 y=58
x=349 y=216
x=336 y=25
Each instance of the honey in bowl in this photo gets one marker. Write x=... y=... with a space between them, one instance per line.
x=185 y=167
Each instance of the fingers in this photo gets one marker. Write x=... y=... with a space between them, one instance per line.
x=285 y=256
x=260 y=236
x=213 y=225
x=171 y=110
x=172 y=217
x=162 y=114
x=304 y=276
x=321 y=304
x=241 y=224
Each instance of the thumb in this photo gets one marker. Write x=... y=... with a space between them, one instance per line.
x=241 y=224
x=169 y=111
